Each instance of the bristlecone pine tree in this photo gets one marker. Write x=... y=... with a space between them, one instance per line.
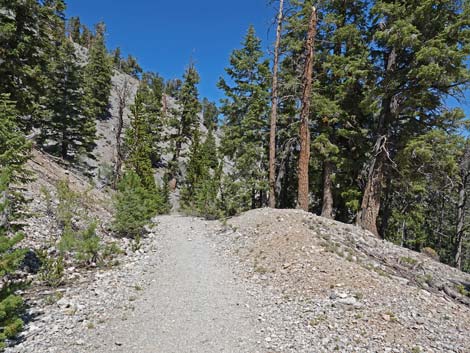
x=246 y=127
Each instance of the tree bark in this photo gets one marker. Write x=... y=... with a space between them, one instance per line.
x=371 y=200
x=304 y=156
x=123 y=96
x=462 y=204
x=327 y=205
x=370 y=206
x=274 y=103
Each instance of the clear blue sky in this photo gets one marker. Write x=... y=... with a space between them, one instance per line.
x=164 y=35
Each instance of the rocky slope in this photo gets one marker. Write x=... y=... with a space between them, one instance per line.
x=336 y=288
x=272 y=281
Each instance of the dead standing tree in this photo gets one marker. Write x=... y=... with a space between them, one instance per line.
x=123 y=97
x=274 y=104
x=307 y=78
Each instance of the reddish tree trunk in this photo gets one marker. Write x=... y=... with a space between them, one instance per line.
x=304 y=157
x=274 y=103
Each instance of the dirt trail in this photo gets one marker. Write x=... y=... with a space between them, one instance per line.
x=194 y=304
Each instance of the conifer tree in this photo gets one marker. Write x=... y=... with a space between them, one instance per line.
x=10 y=258
x=139 y=142
x=210 y=114
x=151 y=90
x=14 y=151
x=14 y=148
x=117 y=60
x=23 y=54
x=185 y=120
x=97 y=77
x=245 y=129
x=419 y=58
x=86 y=38
x=202 y=182
x=74 y=29
x=131 y=67
x=134 y=206
x=65 y=126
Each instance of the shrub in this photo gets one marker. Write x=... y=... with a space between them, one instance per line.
x=79 y=239
x=430 y=252
x=134 y=206
x=52 y=269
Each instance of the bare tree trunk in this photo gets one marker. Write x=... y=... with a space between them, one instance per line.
x=123 y=96
x=304 y=156
x=3 y=208
x=461 y=208
x=327 y=206
x=274 y=103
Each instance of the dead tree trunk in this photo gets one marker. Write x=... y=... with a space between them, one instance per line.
x=123 y=96
x=274 y=103
x=327 y=206
x=304 y=156
x=462 y=205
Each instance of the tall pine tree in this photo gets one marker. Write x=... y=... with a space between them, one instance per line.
x=245 y=128
x=97 y=77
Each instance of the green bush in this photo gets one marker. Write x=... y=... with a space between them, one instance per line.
x=52 y=269
x=81 y=240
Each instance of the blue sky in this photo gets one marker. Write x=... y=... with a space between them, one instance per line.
x=165 y=35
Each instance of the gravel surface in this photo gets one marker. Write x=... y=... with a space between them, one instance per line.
x=193 y=304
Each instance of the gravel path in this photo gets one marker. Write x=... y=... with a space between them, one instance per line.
x=193 y=304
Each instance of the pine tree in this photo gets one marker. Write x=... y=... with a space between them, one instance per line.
x=131 y=67
x=23 y=54
x=245 y=129
x=65 y=126
x=201 y=186
x=86 y=38
x=139 y=142
x=210 y=114
x=97 y=77
x=151 y=90
x=303 y=198
x=117 y=60
x=14 y=148
x=419 y=58
x=134 y=206
x=10 y=258
x=185 y=120
x=74 y=29
x=14 y=151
